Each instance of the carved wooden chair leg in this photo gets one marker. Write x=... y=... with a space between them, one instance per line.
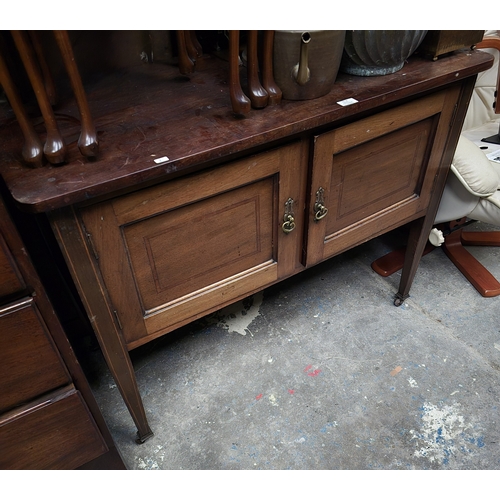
x=454 y=242
x=32 y=151
x=186 y=65
x=393 y=261
x=87 y=143
x=480 y=278
x=257 y=93
x=240 y=102
x=268 y=82
x=54 y=148
x=194 y=49
x=481 y=238
x=44 y=68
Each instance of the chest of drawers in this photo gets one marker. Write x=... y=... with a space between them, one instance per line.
x=48 y=417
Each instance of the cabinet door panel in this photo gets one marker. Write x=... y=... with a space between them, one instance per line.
x=29 y=362
x=235 y=230
x=177 y=251
x=376 y=174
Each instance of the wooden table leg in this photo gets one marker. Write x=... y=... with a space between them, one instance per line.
x=239 y=101
x=186 y=64
x=48 y=82
x=54 y=148
x=87 y=143
x=257 y=93
x=32 y=151
x=268 y=82
x=194 y=49
x=84 y=270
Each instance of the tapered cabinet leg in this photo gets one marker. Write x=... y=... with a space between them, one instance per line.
x=418 y=245
x=82 y=265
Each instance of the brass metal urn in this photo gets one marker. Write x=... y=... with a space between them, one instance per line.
x=306 y=63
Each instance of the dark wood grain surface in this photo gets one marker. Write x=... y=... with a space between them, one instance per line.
x=151 y=112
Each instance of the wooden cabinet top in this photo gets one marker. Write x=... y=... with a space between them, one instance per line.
x=150 y=112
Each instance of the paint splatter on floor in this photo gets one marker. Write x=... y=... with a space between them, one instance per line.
x=147 y=464
x=150 y=463
x=237 y=317
x=412 y=382
x=396 y=371
x=444 y=434
x=312 y=373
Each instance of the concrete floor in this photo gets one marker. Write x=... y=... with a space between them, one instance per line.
x=323 y=372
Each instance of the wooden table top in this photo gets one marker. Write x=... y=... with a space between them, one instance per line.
x=150 y=112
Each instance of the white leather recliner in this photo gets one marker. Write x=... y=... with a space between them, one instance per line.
x=472 y=191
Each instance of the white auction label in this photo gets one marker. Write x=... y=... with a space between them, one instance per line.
x=161 y=160
x=347 y=102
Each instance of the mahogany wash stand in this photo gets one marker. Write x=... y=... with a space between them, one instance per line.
x=189 y=207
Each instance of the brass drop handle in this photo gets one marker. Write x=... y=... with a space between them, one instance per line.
x=289 y=224
x=320 y=210
x=288 y=219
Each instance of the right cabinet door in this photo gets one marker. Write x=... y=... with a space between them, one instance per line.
x=375 y=174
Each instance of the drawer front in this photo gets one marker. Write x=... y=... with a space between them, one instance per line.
x=177 y=251
x=375 y=174
x=29 y=362
x=10 y=280
x=57 y=433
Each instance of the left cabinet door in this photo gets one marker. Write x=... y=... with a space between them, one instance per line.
x=174 y=252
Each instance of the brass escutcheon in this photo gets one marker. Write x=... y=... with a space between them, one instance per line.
x=320 y=210
x=288 y=219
